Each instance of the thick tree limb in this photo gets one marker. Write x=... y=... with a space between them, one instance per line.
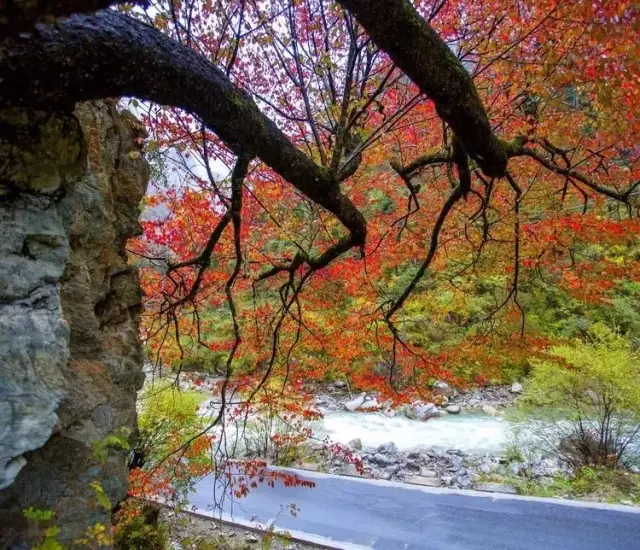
x=18 y=16
x=462 y=163
x=418 y=50
x=108 y=54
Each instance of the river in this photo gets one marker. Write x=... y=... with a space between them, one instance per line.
x=474 y=433
x=470 y=433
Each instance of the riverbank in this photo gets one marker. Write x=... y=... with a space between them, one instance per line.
x=461 y=440
x=450 y=442
x=434 y=467
x=491 y=400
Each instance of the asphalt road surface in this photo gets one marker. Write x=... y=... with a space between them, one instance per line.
x=353 y=513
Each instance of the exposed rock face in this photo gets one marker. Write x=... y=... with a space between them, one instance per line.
x=70 y=359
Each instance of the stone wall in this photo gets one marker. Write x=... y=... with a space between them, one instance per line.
x=70 y=359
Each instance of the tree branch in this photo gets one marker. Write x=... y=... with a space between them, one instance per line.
x=18 y=16
x=516 y=148
x=454 y=197
x=108 y=54
x=418 y=50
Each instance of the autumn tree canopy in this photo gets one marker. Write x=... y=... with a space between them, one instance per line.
x=368 y=189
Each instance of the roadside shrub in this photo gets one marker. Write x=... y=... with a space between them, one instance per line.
x=277 y=427
x=172 y=450
x=276 y=436
x=167 y=417
x=583 y=403
x=143 y=532
x=513 y=453
x=599 y=484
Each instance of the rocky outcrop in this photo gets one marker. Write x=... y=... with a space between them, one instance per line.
x=70 y=359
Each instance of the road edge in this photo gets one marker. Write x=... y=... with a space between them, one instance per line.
x=322 y=543
x=466 y=492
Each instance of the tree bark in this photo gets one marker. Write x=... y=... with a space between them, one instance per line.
x=108 y=54
x=18 y=16
x=418 y=50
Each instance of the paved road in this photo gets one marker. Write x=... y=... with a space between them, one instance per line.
x=351 y=513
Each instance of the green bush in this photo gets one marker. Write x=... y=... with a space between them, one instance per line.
x=167 y=417
x=599 y=484
x=143 y=532
x=583 y=402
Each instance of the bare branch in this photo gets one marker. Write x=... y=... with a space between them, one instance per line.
x=454 y=197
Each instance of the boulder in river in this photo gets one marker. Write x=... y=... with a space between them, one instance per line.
x=356 y=402
x=421 y=411
x=356 y=444
x=453 y=409
x=370 y=403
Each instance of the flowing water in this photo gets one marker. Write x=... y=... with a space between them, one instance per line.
x=471 y=433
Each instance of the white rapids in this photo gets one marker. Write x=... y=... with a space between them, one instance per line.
x=477 y=433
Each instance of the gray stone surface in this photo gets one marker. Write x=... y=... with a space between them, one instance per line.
x=496 y=488
x=423 y=480
x=43 y=156
x=381 y=459
x=421 y=411
x=356 y=402
x=70 y=360
x=388 y=448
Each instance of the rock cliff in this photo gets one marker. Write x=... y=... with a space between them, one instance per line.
x=70 y=358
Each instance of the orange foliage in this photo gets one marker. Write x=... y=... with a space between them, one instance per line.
x=562 y=76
